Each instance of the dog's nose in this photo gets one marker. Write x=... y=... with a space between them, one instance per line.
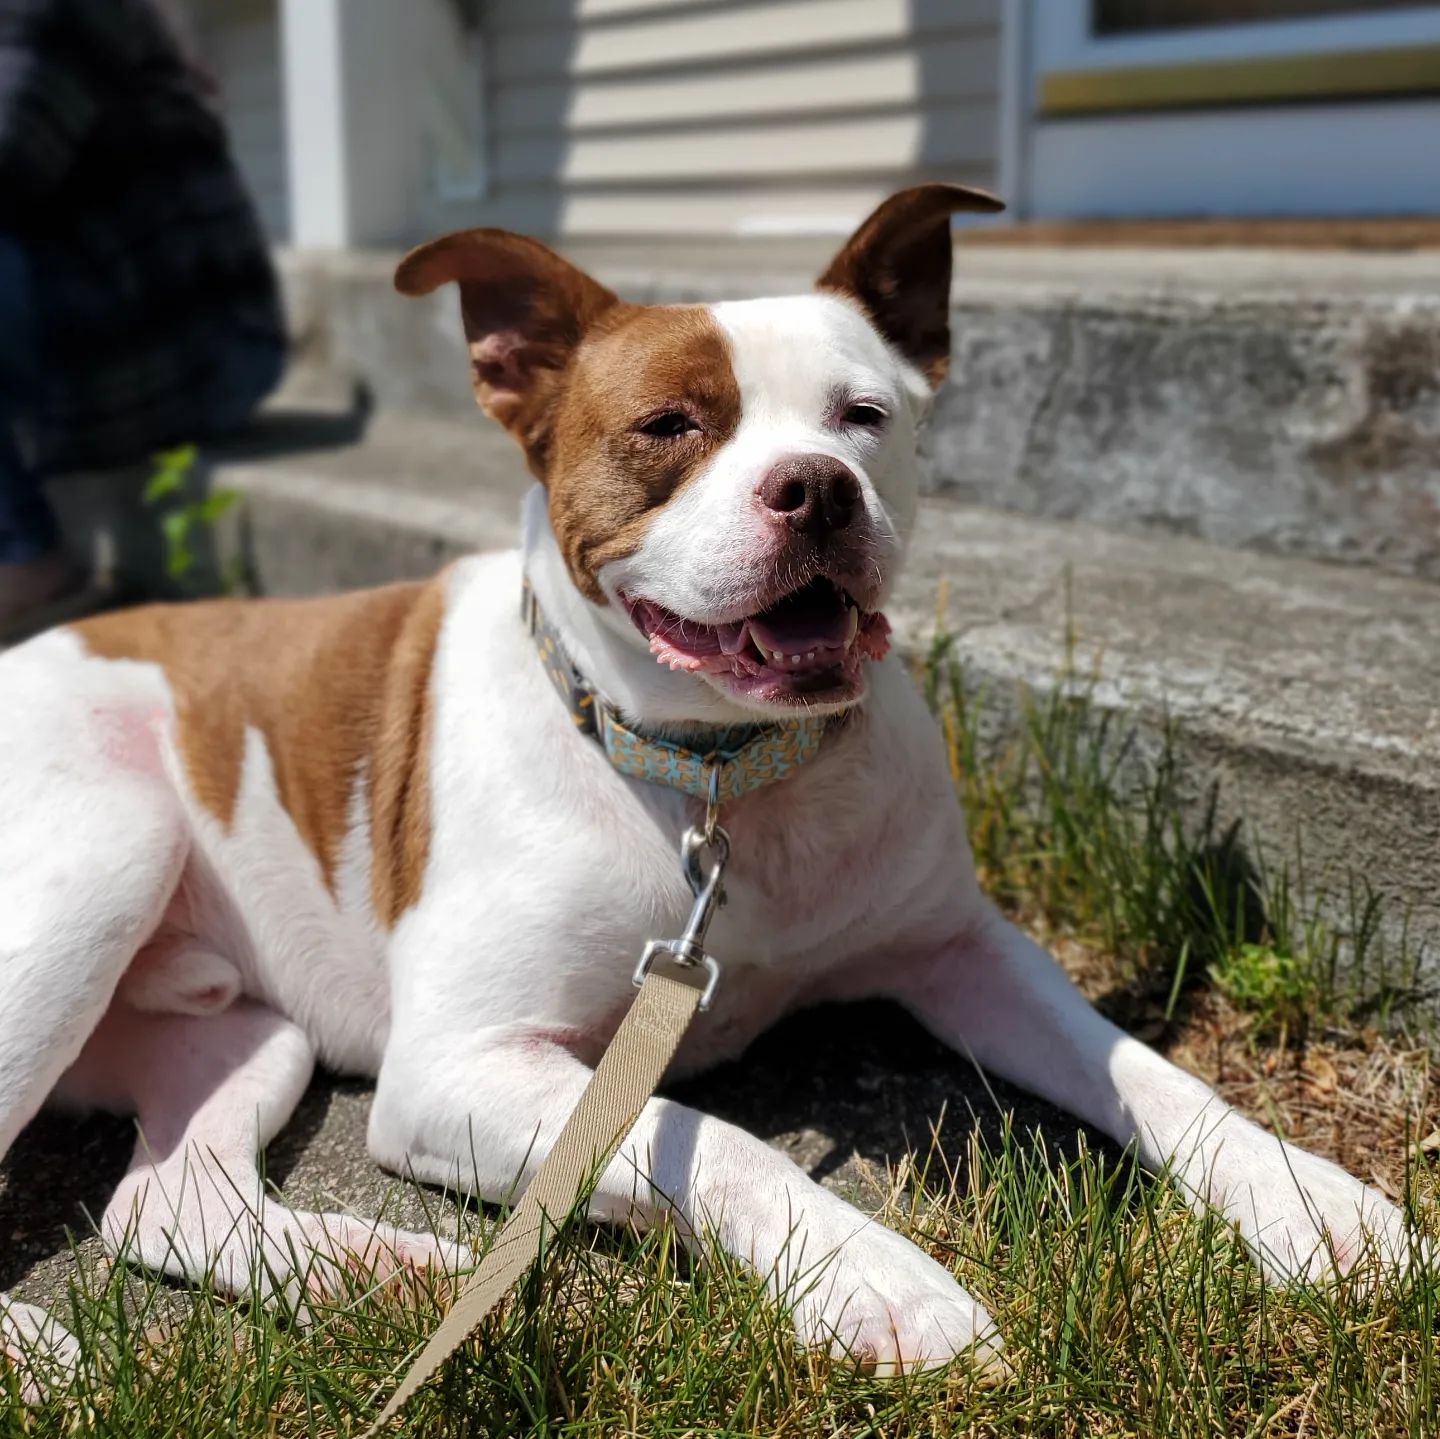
x=812 y=494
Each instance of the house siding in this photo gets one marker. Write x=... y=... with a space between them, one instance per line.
x=656 y=116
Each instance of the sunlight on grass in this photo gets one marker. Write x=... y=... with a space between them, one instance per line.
x=1123 y=1313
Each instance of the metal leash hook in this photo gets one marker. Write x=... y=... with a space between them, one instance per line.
x=708 y=888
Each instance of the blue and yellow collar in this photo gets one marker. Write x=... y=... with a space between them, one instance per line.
x=720 y=765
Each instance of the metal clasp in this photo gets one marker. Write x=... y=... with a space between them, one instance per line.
x=708 y=888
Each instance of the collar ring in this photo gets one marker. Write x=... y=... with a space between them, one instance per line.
x=712 y=796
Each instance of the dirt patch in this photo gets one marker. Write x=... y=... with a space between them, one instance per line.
x=1362 y=1099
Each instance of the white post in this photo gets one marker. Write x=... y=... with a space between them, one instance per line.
x=382 y=115
x=313 y=62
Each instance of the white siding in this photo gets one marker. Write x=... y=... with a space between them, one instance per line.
x=239 y=41
x=725 y=116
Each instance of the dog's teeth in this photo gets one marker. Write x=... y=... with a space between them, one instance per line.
x=810 y=657
x=852 y=626
x=794 y=659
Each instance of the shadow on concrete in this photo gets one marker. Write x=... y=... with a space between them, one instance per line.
x=54 y=1183
x=285 y=430
x=112 y=531
x=827 y=1086
x=868 y=1081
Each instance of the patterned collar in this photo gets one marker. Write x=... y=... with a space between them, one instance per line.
x=718 y=765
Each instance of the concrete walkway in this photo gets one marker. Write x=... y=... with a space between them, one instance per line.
x=1284 y=401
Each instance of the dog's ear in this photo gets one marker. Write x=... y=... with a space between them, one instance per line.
x=897 y=267
x=525 y=309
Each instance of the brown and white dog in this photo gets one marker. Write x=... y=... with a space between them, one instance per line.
x=239 y=837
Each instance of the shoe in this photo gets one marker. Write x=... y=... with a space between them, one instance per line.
x=38 y=594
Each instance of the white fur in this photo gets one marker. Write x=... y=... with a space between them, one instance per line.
x=547 y=872
x=711 y=549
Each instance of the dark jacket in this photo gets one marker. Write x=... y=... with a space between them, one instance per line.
x=146 y=254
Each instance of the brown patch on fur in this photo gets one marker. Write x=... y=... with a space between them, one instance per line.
x=330 y=684
x=400 y=762
x=572 y=373
x=896 y=266
x=606 y=476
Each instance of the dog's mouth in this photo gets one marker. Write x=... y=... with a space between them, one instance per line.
x=806 y=648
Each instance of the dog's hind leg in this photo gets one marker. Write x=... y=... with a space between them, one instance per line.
x=209 y=1093
x=77 y=900
x=89 y=859
x=93 y=840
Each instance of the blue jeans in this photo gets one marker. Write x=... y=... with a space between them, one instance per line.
x=245 y=374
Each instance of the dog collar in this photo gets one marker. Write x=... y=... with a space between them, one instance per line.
x=718 y=765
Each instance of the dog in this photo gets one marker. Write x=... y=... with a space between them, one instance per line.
x=238 y=838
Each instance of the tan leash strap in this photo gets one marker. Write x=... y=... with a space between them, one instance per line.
x=628 y=1074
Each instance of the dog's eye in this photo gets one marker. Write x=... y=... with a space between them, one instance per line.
x=668 y=426
x=870 y=417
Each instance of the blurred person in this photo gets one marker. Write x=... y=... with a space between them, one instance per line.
x=138 y=304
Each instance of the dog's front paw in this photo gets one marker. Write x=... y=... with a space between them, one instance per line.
x=327 y=1254
x=891 y=1308
x=1304 y=1218
x=862 y=1291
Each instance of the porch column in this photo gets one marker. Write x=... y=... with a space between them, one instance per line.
x=313 y=84
x=355 y=81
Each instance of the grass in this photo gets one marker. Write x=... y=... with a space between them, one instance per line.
x=1123 y=1314
x=1084 y=827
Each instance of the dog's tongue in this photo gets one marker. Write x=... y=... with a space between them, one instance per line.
x=816 y=617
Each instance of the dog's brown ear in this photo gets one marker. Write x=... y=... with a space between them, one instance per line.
x=897 y=266
x=524 y=308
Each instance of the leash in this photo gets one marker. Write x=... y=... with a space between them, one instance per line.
x=629 y=1072
x=733 y=762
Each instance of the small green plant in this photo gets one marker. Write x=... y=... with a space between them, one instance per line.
x=188 y=517
x=1277 y=989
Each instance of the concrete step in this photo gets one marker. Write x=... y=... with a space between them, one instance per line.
x=1287 y=402
x=1310 y=691
x=418 y=491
